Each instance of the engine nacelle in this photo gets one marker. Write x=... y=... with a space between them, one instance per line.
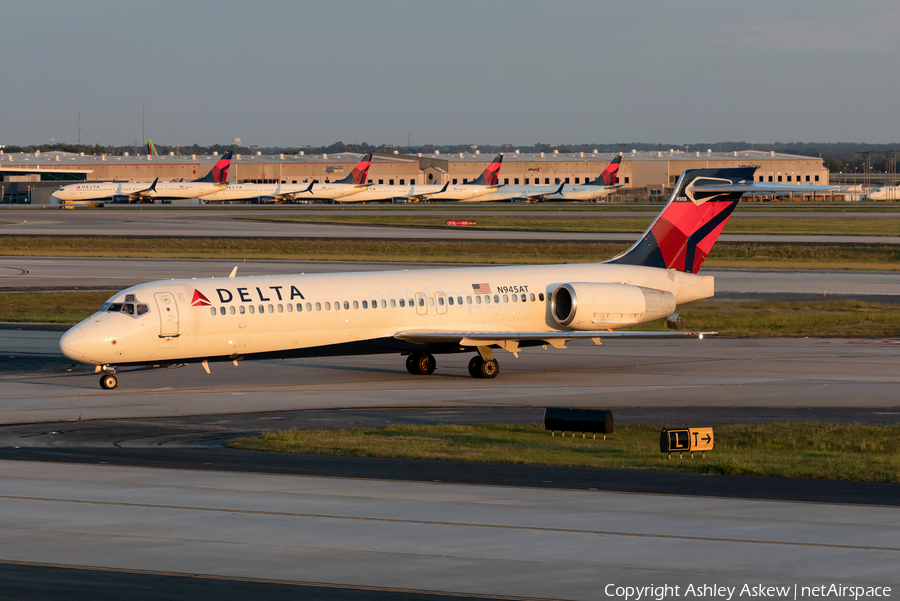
x=590 y=306
x=265 y=200
x=120 y=199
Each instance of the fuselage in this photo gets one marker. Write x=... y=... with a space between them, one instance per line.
x=235 y=191
x=379 y=192
x=464 y=192
x=111 y=190
x=334 y=191
x=583 y=192
x=885 y=193
x=334 y=314
x=509 y=193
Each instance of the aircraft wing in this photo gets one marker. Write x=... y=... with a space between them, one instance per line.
x=424 y=195
x=145 y=193
x=292 y=195
x=511 y=341
x=540 y=197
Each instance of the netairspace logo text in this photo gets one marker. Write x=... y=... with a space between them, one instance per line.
x=755 y=591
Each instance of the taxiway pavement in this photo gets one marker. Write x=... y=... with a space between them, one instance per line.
x=159 y=221
x=650 y=373
x=430 y=537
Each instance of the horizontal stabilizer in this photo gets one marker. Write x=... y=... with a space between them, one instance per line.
x=759 y=188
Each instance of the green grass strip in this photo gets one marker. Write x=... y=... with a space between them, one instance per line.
x=792 y=256
x=51 y=307
x=801 y=450
x=837 y=226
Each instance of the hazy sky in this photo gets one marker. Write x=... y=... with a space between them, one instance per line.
x=290 y=73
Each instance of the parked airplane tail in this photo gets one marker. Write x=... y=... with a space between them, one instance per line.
x=151 y=149
x=610 y=174
x=360 y=173
x=491 y=174
x=219 y=173
x=684 y=233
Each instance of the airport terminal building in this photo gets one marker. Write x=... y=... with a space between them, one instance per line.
x=30 y=178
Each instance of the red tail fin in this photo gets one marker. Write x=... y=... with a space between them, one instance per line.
x=684 y=233
x=219 y=173
x=491 y=174
x=360 y=173
x=611 y=173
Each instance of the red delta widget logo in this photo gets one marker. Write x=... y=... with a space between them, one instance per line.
x=244 y=295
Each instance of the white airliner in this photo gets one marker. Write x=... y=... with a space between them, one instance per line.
x=422 y=313
x=469 y=191
x=381 y=192
x=352 y=184
x=260 y=193
x=885 y=193
x=602 y=186
x=134 y=192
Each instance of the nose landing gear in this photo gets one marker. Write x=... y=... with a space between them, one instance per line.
x=108 y=380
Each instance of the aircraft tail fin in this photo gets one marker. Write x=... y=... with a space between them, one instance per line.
x=491 y=174
x=219 y=173
x=684 y=233
x=360 y=173
x=610 y=175
x=151 y=149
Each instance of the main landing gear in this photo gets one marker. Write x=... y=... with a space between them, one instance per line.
x=481 y=368
x=420 y=364
x=423 y=364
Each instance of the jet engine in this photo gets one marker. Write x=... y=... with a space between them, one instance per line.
x=590 y=306
x=265 y=200
x=120 y=199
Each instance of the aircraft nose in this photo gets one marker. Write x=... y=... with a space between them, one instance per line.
x=73 y=344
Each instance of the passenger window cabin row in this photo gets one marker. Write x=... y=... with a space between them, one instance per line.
x=393 y=303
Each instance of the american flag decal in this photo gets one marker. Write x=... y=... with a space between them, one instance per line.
x=481 y=288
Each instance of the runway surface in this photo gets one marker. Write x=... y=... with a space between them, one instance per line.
x=725 y=373
x=65 y=273
x=429 y=537
x=222 y=223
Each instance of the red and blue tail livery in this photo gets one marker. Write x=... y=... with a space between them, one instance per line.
x=610 y=175
x=219 y=173
x=683 y=235
x=491 y=174
x=360 y=173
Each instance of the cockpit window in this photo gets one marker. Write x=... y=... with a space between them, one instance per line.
x=128 y=308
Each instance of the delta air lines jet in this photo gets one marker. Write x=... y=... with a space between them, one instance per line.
x=604 y=185
x=484 y=184
x=352 y=184
x=420 y=314
x=133 y=192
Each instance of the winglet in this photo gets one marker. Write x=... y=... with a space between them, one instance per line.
x=309 y=188
x=153 y=185
x=233 y=272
